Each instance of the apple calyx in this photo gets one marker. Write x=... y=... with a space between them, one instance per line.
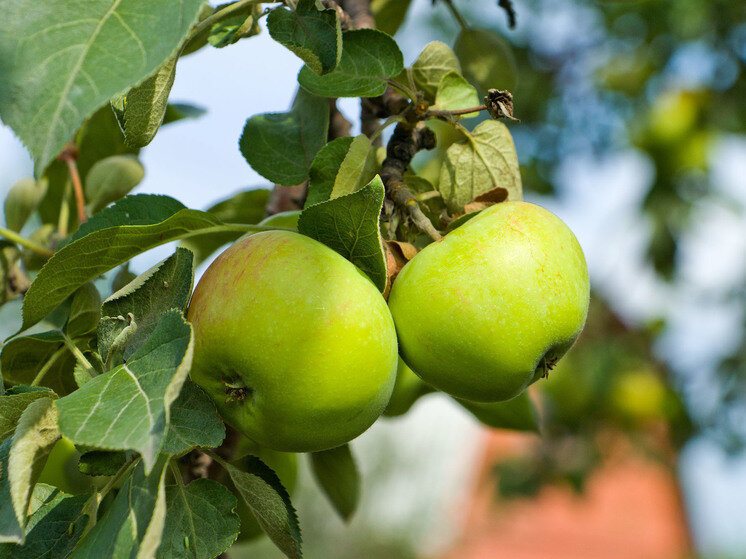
x=236 y=390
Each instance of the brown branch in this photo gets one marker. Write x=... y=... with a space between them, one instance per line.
x=339 y=126
x=369 y=122
x=199 y=465
x=407 y=140
x=507 y=5
x=286 y=198
x=360 y=14
x=344 y=20
x=438 y=113
x=390 y=103
x=70 y=156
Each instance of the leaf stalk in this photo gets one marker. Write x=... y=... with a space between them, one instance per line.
x=23 y=241
x=48 y=365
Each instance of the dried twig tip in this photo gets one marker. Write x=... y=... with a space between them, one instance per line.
x=499 y=104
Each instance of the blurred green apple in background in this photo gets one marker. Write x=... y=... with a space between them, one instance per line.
x=296 y=346
x=492 y=307
x=639 y=396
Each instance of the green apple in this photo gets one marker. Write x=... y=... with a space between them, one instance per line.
x=61 y=469
x=296 y=346
x=407 y=390
x=490 y=309
x=287 y=219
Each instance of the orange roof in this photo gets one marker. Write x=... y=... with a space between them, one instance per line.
x=631 y=510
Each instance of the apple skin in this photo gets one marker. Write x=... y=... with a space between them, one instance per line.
x=484 y=312
x=296 y=346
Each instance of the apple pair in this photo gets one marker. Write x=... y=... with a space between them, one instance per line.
x=299 y=349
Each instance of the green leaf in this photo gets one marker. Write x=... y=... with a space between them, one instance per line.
x=85 y=311
x=180 y=111
x=455 y=93
x=139 y=209
x=110 y=179
x=357 y=169
x=337 y=474
x=13 y=404
x=140 y=111
x=324 y=170
x=22 y=358
x=518 y=414
x=22 y=200
x=22 y=458
x=245 y=207
x=243 y=24
x=369 y=57
x=281 y=146
x=110 y=238
x=82 y=374
x=133 y=525
x=435 y=61
x=194 y=422
x=53 y=529
x=460 y=220
x=350 y=225
x=201 y=522
x=61 y=61
x=313 y=35
x=487 y=59
x=389 y=14
x=265 y=495
x=166 y=286
x=101 y=462
x=485 y=161
x=128 y=408
x=42 y=494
